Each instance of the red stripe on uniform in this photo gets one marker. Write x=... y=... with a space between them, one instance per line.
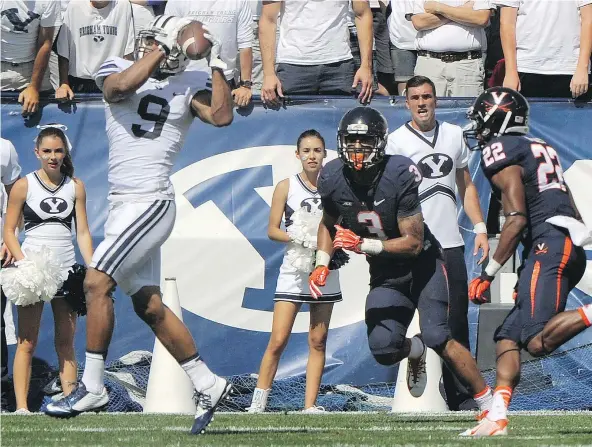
x=534 y=279
x=566 y=254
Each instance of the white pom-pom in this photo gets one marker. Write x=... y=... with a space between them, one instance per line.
x=301 y=258
x=35 y=278
x=305 y=226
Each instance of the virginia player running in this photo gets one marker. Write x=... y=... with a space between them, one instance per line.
x=540 y=214
x=150 y=105
x=371 y=206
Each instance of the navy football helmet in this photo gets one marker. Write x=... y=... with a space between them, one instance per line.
x=497 y=111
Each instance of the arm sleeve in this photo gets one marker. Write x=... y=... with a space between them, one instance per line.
x=52 y=15
x=63 y=39
x=110 y=66
x=13 y=169
x=408 y=184
x=244 y=32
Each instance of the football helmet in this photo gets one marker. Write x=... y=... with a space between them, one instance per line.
x=497 y=111
x=163 y=30
x=361 y=138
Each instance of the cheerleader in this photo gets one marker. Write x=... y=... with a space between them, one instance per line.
x=290 y=195
x=50 y=200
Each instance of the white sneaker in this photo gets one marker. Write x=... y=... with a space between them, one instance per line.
x=79 y=401
x=417 y=377
x=259 y=401
x=22 y=411
x=208 y=402
x=314 y=410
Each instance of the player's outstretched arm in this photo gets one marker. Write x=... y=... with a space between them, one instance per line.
x=214 y=107
x=509 y=182
x=118 y=86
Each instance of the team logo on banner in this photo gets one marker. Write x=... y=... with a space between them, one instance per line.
x=225 y=265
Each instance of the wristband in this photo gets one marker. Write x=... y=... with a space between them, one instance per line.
x=480 y=228
x=323 y=258
x=371 y=246
x=492 y=267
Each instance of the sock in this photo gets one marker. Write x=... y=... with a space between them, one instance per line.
x=484 y=399
x=94 y=369
x=199 y=373
x=260 y=398
x=500 y=404
x=417 y=348
x=586 y=314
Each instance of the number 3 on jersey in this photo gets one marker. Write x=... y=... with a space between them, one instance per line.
x=158 y=119
x=372 y=221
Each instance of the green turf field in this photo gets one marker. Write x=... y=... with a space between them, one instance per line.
x=287 y=429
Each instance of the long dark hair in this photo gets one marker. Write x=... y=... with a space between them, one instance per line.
x=67 y=167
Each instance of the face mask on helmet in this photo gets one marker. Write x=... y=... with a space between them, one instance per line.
x=358 y=149
x=174 y=63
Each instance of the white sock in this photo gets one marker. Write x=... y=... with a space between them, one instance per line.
x=417 y=348
x=199 y=373
x=484 y=399
x=586 y=314
x=260 y=398
x=94 y=369
x=500 y=404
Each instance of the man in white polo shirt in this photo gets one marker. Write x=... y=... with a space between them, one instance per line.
x=313 y=52
x=439 y=150
x=27 y=34
x=547 y=46
x=450 y=44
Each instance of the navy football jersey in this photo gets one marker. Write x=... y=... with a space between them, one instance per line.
x=373 y=210
x=545 y=190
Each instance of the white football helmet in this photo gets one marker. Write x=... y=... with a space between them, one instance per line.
x=164 y=30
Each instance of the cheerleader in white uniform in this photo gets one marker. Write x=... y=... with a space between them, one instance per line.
x=292 y=288
x=50 y=201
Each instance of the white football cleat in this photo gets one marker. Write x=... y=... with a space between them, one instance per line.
x=209 y=400
x=487 y=428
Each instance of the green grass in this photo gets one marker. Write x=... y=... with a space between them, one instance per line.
x=287 y=429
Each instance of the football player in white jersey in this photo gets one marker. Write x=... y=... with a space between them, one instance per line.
x=150 y=105
x=438 y=149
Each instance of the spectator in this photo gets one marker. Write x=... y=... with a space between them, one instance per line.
x=27 y=33
x=312 y=54
x=257 y=71
x=142 y=15
x=450 y=44
x=10 y=172
x=381 y=55
x=402 y=35
x=547 y=46
x=231 y=22
x=53 y=77
x=92 y=32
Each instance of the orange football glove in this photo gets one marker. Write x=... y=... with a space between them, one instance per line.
x=478 y=287
x=346 y=239
x=317 y=279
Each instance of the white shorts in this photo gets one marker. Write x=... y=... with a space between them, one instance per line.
x=292 y=285
x=134 y=233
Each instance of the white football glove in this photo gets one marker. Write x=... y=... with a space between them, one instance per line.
x=213 y=58
x=168 y=37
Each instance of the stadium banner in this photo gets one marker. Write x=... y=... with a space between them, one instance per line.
x=225 y=265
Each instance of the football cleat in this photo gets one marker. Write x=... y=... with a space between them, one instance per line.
x=208 y=402
x=417 y=377
x=487 y=428
x=79 y=401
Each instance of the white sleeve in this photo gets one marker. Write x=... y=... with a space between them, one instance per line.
x=391 y=145
x=511 y=3
x=582 y=3
x=130 y=44
x=52 y=15
x=63 y=40
x=110 y=66
x=483 y=4
x=12 y=170
x=416 y=7
x=244 y=32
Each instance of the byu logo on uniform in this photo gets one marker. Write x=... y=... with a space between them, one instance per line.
x=312 y=204
x=19 y=25
x=436 y=165
x=53 y=205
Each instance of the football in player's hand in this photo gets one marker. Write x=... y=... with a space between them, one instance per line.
x=192 y=42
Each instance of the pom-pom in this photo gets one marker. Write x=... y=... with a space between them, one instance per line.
x=301 y=258
x=35 y=278
x=74 y=291
x=339 y=259
x=303 y=232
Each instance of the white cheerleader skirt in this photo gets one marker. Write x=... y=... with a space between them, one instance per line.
x=292 y=285
x=63 y=250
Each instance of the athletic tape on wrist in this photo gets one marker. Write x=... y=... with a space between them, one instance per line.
x=493 y=267
x=480 y=228
x=323 y=258
x=371 y=246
